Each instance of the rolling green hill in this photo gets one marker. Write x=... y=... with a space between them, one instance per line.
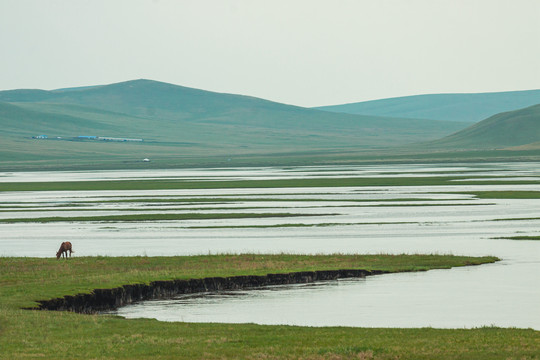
x=178 y=123
x=519 y=128
x=171 y=104
x=452 y=107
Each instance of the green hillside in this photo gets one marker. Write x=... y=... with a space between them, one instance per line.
x=171 y=103
x=452 y=107
x=29 y=120
x=178 y=123
x=509 y=129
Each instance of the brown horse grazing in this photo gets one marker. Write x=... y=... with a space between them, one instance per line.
x=64 y=248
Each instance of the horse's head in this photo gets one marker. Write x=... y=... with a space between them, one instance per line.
x=58 y=254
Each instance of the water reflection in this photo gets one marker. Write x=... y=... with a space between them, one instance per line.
x=441 y=298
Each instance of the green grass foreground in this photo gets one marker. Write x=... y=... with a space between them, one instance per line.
x=54 y=335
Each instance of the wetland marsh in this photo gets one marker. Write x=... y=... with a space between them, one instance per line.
x=463 y=209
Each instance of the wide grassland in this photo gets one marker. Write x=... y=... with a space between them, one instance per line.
x=20 y=154
x=51 y=335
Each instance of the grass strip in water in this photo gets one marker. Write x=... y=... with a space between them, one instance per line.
x=513 y=219
x=52 y=334
x=518 y=238
x=265 y=199
x=231 y=184
x=505 y=194
x=240 y=207
x=156 y=217
x=293 y=225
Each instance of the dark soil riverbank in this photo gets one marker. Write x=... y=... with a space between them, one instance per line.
x=108 y=299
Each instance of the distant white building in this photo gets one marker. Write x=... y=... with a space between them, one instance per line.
x=103 y=138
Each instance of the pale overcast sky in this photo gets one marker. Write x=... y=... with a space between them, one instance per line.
x=306 y=53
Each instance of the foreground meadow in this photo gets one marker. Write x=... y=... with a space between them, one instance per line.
x=50 y=334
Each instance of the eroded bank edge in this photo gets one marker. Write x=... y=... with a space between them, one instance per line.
x=100 y=300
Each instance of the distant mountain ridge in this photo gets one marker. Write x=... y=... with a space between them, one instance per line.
x=167 y=112
x=509 y=129
x=452 y=107
x=181 y=124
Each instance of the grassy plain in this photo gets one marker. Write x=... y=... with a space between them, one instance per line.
x=88 y=156
x=55 y=335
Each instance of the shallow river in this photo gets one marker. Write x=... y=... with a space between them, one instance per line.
x=352 y=220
